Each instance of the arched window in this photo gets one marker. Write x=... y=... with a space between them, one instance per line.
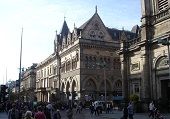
x=92 y=34
x=86 y=61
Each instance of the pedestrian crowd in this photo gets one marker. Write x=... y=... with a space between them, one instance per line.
x=43 y=110
x=40 y=110
x=154 y=113
x=97 y=107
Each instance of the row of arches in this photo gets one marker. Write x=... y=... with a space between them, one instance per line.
x=89 y=86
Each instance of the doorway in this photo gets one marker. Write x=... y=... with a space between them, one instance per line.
x=165 y=89
x=165 y=93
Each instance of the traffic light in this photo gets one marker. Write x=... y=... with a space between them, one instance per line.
x=3 y=88
x=4 y=93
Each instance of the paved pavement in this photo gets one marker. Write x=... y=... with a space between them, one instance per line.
x=86 y=115
x=3 y=115
x=114 y=115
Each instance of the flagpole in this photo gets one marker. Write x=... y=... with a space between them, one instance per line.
x=20 y=66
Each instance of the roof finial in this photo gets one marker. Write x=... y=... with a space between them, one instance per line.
x=64 y=17
x=74 y=25
x=123 y=28
x=96 y=8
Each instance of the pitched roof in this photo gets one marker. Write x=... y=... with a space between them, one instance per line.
x=83 y=26
x=87 y=22
x=115 y=33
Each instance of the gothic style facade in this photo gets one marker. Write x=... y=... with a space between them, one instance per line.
x=145 y=62
x=85 y=64
x=89 y=65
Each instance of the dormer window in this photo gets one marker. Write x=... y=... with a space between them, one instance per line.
x=162 y=5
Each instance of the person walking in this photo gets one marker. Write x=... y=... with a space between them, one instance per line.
x=130 y=110
x=125 y=112
x=47 y=113
x=13 y=113
x=91 y=109
x=69 y=113
x=50 y=108
x=78 y=108
x=39 y=114
x=56 y=114
x=151 y=109
x=28 y=115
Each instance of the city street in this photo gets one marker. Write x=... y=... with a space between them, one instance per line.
x=3 y=115
x=85 y=114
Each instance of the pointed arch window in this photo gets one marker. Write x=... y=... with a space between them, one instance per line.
x=86 y=61
x=101 y=35
x=74 y=63
x=68 y=65
x=92 y=34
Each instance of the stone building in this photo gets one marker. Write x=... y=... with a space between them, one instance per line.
x=88 y=63
x=84 y=65
x=46 y=79
x=145 y=62
x=28 y=83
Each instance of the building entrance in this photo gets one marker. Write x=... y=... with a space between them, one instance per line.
x=165 y=93
x=165 y=89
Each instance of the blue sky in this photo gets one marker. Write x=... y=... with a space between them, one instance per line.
x=41 y=18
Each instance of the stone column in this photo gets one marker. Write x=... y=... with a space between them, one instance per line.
x=145 y=80
x=40 y=96
x=154 y=84
x=125 y=66
x=48 y=96
x=125 y=84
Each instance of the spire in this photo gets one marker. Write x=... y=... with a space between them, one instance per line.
x=64 y=29
x=96 y=8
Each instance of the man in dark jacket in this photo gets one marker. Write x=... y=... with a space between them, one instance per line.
x=13 y=113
